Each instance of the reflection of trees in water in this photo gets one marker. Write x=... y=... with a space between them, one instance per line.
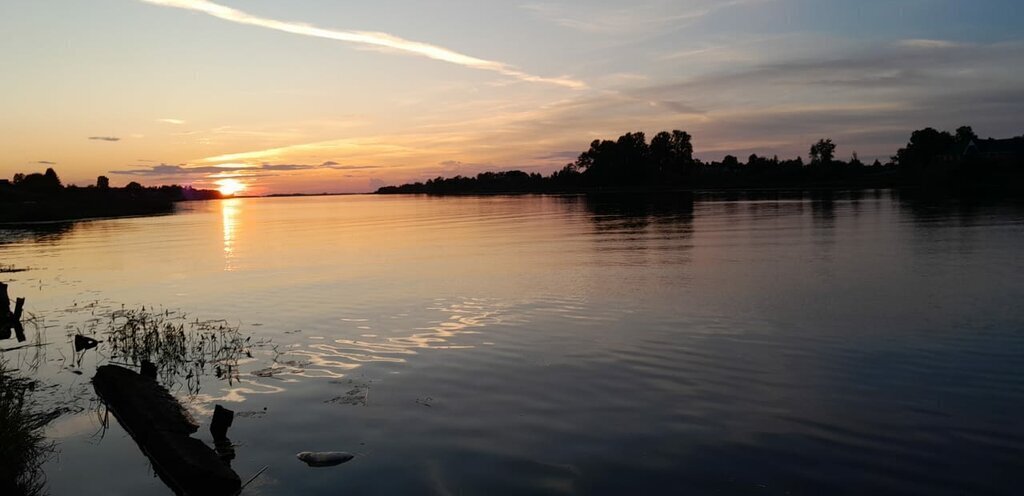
x=929 y=209
x=823 y=208
x=23 y=448
x=47 y=233
x=636 y=212
x=823 y=203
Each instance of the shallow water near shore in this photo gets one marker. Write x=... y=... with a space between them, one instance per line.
x=805 y=343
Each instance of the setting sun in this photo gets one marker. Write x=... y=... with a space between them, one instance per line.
x=230 y=187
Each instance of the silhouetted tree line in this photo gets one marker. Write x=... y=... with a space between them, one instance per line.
x=942 y=158
x=485 y=182
x=42 y=197
x=630 y=163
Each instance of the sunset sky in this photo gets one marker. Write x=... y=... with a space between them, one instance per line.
x=342 y=96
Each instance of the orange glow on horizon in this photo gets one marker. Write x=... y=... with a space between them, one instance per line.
x=230 y=187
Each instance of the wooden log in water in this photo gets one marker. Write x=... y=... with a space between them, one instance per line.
x=162 y=429
x=19 y=331
x=5 y=304
x=222 y=419
x=10 y=321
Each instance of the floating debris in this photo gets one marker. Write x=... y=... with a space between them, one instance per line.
x=253 y=413
x=357 y=396
x=268 y=371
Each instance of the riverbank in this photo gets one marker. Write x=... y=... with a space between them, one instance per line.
x=20 y=206
x=54 y=210
x=42 y=197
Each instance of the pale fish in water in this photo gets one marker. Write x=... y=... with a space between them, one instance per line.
x=324 y=458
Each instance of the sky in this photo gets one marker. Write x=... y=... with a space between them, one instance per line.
x=340 y=96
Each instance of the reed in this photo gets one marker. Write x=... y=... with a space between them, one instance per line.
x=179 y=348
x=23 y=447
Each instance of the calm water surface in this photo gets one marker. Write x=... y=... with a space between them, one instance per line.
x=797 y=344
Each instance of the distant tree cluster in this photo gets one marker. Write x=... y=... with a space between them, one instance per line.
x=42 y=196
x=928 y=147
x=47 y=182
x=667 y=162
x=935 y=157
x=630 y=160
x=485 y=182
x=823 y=152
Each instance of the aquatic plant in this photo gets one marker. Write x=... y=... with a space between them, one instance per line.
x=178 y=348
x=23 y=448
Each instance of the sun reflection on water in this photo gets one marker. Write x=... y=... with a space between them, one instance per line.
x=229 y=210
x=339 y=358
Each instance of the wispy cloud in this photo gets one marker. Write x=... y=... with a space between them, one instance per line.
x=164 y=170
x=565 y=155
x=867 y=98
x=176 y=122
x=337 y=166
x=633 y=18
x=46 y=162
x=924 y=43
x=368 y=38
x=179 y=170
x=104 y=138
x=733 y=50
x=326 y=165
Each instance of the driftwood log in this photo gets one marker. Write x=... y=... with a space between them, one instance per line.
x=11 y=321
x=5 y=303
x=162 y=428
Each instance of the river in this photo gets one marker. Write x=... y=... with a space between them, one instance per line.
x=803 y=343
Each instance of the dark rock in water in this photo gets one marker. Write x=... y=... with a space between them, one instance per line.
x=162 y=429
x=324 y=458
x=84 y=343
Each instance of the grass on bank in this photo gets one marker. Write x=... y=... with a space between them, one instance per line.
x=23 y=447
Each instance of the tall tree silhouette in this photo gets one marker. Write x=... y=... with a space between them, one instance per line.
x=965 y=134
x=925 y=146
x=823 y=152
x=672 y=153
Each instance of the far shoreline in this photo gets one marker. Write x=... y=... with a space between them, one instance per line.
x=632 y=193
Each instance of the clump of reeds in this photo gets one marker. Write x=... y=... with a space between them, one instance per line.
x=179 y=348
x=23 y=448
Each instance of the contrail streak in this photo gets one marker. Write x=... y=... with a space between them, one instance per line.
x=383 y=40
